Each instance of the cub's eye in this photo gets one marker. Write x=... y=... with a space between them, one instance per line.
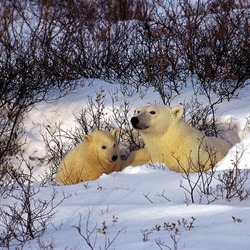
x=152 y=112
x=104 y=147
x=114 y=144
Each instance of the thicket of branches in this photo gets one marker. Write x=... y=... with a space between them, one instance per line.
x=44 y=45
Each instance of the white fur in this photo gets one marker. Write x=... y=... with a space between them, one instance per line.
x=90 y=159
x=169 y=139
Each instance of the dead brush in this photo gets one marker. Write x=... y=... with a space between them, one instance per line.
x=174 y=230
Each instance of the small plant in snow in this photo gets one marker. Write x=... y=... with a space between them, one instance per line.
x=147 y=197
x=163 y=196
x=187 y=225
x=232 y=181
x=106 y=210
x=145 y=234
x=29 y=215
x=114 y=219
x=99 y=188
x=199 y=182
x=103 y=229
x=236 y=220
x=174 y=230
x=90 y=235
x=86 y=185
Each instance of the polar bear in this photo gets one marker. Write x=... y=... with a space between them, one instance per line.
x=169 y=139
x=98 y=154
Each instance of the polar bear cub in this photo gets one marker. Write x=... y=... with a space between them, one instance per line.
x=98 y=154
x=169 y=139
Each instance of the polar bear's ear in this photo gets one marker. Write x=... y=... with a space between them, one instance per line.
x=137 y=111
x=115 y=132
x=86 y=138
x=177 y=111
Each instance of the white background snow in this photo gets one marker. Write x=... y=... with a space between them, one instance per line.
x=132 y=202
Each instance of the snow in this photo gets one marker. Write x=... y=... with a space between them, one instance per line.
x=132 y=202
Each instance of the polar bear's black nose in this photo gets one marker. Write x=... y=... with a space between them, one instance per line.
x=114 y=157
x=134 y=121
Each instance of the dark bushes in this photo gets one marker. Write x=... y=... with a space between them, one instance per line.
x=45 y=46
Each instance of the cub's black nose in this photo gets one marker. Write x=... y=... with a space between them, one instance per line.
x=114 y=157
x=134 y=121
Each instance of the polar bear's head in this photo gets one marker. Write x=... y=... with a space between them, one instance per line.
x=155 y=118
x=103 y=145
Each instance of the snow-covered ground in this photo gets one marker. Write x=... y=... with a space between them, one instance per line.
x=131 y=209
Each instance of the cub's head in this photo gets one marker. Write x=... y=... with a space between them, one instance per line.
x=103 y=145
x=155 y=118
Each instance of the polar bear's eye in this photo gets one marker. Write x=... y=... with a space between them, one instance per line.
x=104 y=147
x=152 y=112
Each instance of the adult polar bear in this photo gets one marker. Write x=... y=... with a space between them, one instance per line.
x=169 y=139
x=98 y=154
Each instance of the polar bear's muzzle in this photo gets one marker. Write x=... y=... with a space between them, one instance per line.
x=114 y=158
x=137 y=124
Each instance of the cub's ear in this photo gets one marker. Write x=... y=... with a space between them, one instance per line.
x=115 y=132
x=137 y=111
x=86 y=138
x=177 y=112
